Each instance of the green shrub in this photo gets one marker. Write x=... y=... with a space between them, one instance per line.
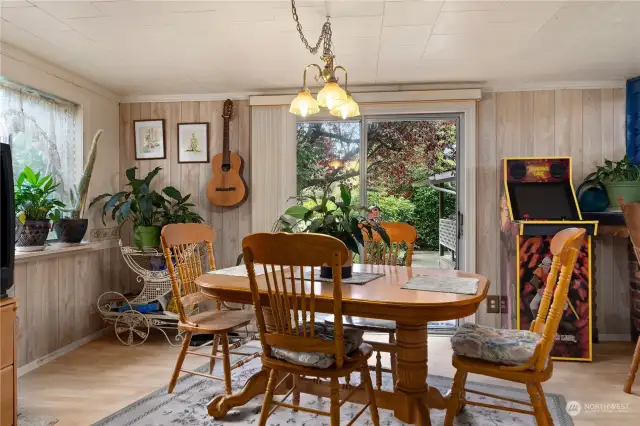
x=395 y=209
x=425 y=201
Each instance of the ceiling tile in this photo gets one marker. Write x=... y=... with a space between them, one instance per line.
x=414 y=35
x=527 y=11
x=402 y=13
x=34 y=20
x=15 y=3
x=462 y=22
x=460 y=5
x=365 y=26
x=69 y=9
x=355 y=8
x=127 y=7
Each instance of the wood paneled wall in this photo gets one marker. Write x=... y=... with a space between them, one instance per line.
x=231 y=224
x=588 y=125
x=58 y=296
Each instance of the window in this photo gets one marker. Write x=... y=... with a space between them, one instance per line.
x=42 y=133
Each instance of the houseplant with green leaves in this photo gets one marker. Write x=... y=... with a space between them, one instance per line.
x=620 y=178
x=139 y=204
x=332 y=216
x=71 y=229
x=177 y=209
x=36 y=206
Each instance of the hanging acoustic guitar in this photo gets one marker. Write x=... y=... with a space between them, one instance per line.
x=227 y=188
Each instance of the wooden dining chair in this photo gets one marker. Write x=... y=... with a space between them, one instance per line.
x=293 y=342
x=631 y=213
x=184 y=246
x=376 y=252
x=518 y=355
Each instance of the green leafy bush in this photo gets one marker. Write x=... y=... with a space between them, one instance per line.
x=396 y=209
x=425 y=201
x=34 y=197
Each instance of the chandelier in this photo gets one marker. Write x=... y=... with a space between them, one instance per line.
x=333 y=97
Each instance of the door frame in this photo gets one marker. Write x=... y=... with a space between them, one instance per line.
x=467 y=160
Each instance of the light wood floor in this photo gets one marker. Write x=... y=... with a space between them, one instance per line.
x=104 y=376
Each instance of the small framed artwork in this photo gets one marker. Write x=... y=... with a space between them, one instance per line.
x=149 y=139
x=193 y=142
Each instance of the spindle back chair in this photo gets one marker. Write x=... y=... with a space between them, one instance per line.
x=285 y=304
x=631 y=212
x=565 y=247
x=376 y=252
x=184 y=246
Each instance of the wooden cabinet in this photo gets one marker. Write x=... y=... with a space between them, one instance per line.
x=8 y=368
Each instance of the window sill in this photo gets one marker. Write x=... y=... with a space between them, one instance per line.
x=60 y=249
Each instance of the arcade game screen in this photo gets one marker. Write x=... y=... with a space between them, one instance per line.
x=542 y=201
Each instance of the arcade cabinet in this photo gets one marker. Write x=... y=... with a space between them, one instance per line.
x=537 y=201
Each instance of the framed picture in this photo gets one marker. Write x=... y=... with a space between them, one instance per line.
x=193 y=142
x=149 y=138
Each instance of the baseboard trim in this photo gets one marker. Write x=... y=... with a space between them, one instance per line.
x=614 y=337
x=62 y=351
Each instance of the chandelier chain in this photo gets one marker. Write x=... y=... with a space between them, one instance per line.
x=325 y=34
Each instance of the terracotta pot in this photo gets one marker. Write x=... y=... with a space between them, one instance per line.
x=33 y=235
x=71 y=230
x=347 y=269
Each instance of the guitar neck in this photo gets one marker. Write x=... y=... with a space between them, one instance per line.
x=225 y=142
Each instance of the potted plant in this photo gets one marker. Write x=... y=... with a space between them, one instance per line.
x=177 y=208
x=620 y=178
x=35 y=206
x=329 y=216
x=139 y=204
x=71 y=229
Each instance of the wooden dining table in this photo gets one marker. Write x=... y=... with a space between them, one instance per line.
x=382 y=298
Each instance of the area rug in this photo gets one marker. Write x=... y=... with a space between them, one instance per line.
x=188 y=406
x=26 y=418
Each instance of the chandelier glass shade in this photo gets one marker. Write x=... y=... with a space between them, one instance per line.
x=304 y=104
x=331 y=95
x=346 y=109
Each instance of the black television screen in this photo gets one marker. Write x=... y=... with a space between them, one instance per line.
x=7 y=221
x=542 y=200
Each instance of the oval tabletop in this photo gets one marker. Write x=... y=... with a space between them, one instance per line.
x=381 y=298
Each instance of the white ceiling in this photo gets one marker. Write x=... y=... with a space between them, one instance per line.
x=180 y=47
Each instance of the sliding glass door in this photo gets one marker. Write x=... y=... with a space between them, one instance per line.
x=402 y=168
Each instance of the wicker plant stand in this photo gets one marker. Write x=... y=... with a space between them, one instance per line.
x=132 y=327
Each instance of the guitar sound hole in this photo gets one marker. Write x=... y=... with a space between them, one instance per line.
x=226 y=167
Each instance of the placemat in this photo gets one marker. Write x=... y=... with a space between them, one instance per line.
x=443 y=284
x=357 y=278
x=241 y=270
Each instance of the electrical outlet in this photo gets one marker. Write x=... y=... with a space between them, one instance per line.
x=493 y=304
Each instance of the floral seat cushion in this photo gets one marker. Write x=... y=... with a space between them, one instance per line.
x=352 y=341
x=508 y=347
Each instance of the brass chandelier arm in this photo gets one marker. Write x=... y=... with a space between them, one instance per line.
x=304 y=74
x=345 y=75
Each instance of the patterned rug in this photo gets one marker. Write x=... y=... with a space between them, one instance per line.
x=26 y=418
x=188 y=406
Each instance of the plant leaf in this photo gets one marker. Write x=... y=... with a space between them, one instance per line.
x=345 y=194
x=297 y=211
x=172 y=192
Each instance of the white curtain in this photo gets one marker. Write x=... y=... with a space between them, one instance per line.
x=273 y=164
x=42 y=134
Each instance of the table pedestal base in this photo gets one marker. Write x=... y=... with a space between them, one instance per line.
x=410 y=403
